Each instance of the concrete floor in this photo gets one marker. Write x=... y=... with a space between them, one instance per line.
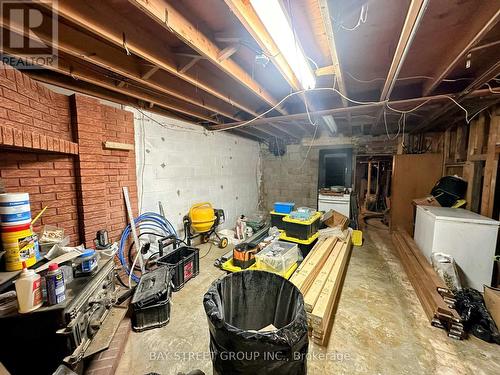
x=379 y=327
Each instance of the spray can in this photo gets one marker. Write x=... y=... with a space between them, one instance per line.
x=54 y=281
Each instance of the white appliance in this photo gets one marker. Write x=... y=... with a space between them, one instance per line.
x=468 y=237
x=339 y=203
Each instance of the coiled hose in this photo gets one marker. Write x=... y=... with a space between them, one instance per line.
x=147 y=222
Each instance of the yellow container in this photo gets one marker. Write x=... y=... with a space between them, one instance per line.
x=357 y=238
x=19 y=246
x=202 y=217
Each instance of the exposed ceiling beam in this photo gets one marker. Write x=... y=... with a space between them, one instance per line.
x=327 y=25
x=174 y=21
x=227 y=52
x=294 y=132
x=283 y=134
x=152 y=70
x=255 y=132
x=78 y=72
x=488 y=75
x=84 y=47
x=328 y=70
x=51 y=78
x=120 y=32
x=244 y=11
x=189 y=64
x=414 y=16
x=459 y=49
x=370 y=108
x=246 y=134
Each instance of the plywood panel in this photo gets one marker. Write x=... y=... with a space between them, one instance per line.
x=413 y=177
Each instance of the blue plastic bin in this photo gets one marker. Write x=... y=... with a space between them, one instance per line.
x=283 y=207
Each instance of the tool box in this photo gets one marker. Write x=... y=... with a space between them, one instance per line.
x=283 y=207
x=184 y=263
x=151 y=300
x=302 y=229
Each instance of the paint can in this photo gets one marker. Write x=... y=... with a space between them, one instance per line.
x=54 y=282
x=15 y=209
x=19 y=243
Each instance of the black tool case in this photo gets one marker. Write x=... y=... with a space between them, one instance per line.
x=151 y=300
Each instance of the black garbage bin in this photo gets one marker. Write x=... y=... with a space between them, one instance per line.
x=238 y=306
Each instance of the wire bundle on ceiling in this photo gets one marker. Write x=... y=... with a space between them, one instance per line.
x=148 y=222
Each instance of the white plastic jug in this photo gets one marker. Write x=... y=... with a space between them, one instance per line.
x=29 y=290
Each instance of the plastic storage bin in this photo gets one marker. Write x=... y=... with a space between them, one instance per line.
x=302 y=229
x=305 y=246
x=185 y=264
x=151 y=300
x=277 y=220
x=283 y=207
x=277 y=257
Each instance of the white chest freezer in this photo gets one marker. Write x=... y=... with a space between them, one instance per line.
x=339 y=203
x=468 y=237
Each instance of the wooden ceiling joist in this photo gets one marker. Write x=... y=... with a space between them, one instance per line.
x=166 y=15
x=293 y=131
x=469 y=91
x=414 y=16
x=244 y=11
x=116 y=30
x=463 y=47
x=78 y=72
x=83 y=46
x=358 y=109
x=246 y=134
x=327 y=25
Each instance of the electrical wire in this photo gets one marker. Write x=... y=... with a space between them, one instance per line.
x=363 y=15
x=491 y=90
x=404 y=78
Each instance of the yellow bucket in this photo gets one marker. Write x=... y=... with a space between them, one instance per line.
x=19 y=245
x=202 y=217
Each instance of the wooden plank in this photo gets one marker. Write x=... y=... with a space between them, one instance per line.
x=476 y=31
x=314 y=291
x=309 y=268
x=251 y=21
x=118 y=146
x=119 y=32
x=162 y=12
x=414 y=16
x=326 y=16
x=322 y=336
x=329 y=293
x=490 y=169
x=413 y=176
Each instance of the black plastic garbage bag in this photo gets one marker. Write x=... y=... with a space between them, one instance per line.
x=242 y=303
x=476 y=318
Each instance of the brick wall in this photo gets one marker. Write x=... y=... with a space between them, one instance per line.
x=51 y=146
x=50 y=181
x=102 y=172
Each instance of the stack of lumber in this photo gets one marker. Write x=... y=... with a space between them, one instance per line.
x=319 y=278
x=436 y=299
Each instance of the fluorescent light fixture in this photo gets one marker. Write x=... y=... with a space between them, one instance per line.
x=276 y=22
x=330 y=123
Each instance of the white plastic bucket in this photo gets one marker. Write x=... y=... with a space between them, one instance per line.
x=15 y=209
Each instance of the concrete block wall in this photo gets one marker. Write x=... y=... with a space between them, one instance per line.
x=180 y=165
x=291 y=177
